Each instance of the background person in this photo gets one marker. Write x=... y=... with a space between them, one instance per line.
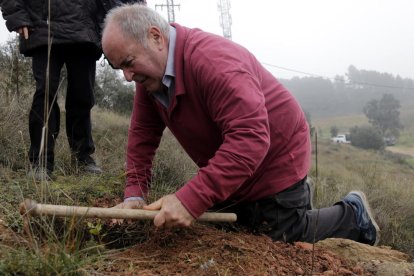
x=245 y=131
x=75 y=31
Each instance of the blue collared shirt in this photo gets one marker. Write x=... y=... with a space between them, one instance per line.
x=169 y=76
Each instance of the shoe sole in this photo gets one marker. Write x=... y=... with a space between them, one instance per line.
x=368 y=209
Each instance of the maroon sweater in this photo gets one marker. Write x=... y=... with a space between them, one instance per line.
x=244 y=130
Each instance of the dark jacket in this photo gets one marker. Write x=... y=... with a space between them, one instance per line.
x=72 y=21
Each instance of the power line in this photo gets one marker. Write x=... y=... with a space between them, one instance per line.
x=293 y=70
x=328 y=78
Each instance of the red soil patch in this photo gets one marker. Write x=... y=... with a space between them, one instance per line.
x=204 y=250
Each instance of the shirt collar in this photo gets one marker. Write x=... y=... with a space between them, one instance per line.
x=169 y=76
x=169 y=70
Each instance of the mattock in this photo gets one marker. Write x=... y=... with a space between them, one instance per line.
x=32 y=208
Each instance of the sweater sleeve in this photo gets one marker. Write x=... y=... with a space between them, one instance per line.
x=144 y=135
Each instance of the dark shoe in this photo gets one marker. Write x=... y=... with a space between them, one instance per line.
x=369 y=230
x=39 y=174
x=88 y=165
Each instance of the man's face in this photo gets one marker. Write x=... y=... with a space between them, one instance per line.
x=142 y=65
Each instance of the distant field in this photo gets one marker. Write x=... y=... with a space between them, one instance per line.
x=344 y=123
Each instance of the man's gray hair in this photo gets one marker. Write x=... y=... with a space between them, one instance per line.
x=134 y=21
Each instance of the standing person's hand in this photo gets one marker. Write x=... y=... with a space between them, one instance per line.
x=171 y=212
x=24 y=31
x=129 y=204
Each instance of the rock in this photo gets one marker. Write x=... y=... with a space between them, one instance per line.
x=378 y=260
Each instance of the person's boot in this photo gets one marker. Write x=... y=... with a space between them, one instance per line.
x=39 y=174
x=369 y=230
x=88 y=165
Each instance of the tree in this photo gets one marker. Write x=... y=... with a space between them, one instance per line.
x=16 y=74
x=112 y=92
x=384 y=115
x=366 y=137
x=353 y=74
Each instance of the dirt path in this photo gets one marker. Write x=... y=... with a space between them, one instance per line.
x=402 y=150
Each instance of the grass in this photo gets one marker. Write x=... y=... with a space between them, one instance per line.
x=63 y=246
x=75 y=247
x=65 y=254
x=386 y=179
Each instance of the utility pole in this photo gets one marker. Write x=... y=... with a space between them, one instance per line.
x=225 y=17
x=170 y=9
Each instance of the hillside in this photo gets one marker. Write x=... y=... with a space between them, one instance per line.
x=205 y=250
x=96 y=247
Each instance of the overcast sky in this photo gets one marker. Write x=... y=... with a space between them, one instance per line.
x=321 y=37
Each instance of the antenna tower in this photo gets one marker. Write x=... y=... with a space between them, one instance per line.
x=225 y=17
x=170 y=9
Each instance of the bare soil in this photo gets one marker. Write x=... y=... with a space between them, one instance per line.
x=402 y=150
x=205 y=250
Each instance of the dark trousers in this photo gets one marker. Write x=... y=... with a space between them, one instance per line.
x=287 y=217
x=80 y=61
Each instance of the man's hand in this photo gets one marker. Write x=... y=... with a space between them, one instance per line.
x=129 y=204
x=172 y=213
x=24 y=31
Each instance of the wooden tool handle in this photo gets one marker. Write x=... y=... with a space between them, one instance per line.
x=33 y=208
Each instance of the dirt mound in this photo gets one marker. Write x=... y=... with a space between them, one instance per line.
x=204 y=250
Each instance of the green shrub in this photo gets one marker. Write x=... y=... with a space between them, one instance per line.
x=367 y=137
